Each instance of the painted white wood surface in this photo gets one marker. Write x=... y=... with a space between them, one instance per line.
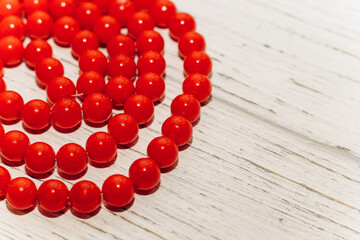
x=276 y=154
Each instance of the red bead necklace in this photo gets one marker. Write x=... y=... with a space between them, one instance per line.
x=84 y=26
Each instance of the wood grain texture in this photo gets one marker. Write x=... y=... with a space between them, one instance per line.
x=276 y=154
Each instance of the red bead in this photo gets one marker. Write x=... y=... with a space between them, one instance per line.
x=12 y=25
x=102 y=4
x=1 y=68
x=35 y=51
x=64 y=30
x=36 y=115
x=87 y=13
x=123 y=128
x=189 y=42
x=11 y=105
x=40 y=158
x=151 y=62
x=122 y=65
x=119 y=89
x=93 y=60
x=84 y=41
x=139 y=107
x=2 y=130
x=139 y=22
x=180 y=24
x=121 y=44
x=177 y=128
x=118 y=190
x=4 y=181
x=187 y=106
x=198 y=62
x=47 y=69
x=162 y=11
x=97 y=108
x=10 y=7
x=163 y=151
x=106 y=27
x=13 y=145
x=85 y=197
x=31 y=6
x=122 y=10
x=66 y=113
x=12 y=50
x=53 y=196
x=144 y=4
x=60 y=8
x=60 y=87
x=21 y=193
x=39 y=25
x=151 y=85
x=2 y=84
x=90 y=82
x=71 y=159
x=149 y=40
x=145 y=174
x=199 y=86
x=101 y=147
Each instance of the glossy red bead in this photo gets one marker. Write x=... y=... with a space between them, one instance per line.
x=84 y=41
x=122 y=10
x=118 y=191
x=21 y=193
x=60 y=8
x=151 y=85
x=13 y=145
x=177 y=128
x=90 y=82
x=11 y=105
x=2 y=84
x=145 y=174
x=106 y=27
x=66 y=113
x=40 y=158
x=4 y=181
x=150 y=40
x=97 y=108
x=139 y=22
x=199 y=86
x=39 y=25
x=87 y=13
x=162 y=11
x=64 y=29
x=151 y=62
x=180 y=24
x=123 y=128
x=12 y=51
x=47 y=69
x=189 y=42
x=101 y=147
x=163 y=151
x=122 y=65
x=93 y=60
x=85 y=197
x=2 y=130
x=53 y=196
x=187 y=106
x=121 y=44
x=35 y=51
x=10 y=7
x=71 y=159
x=102 y=4
x=58 y=88
x=139 y=107
x=118 y=89
x=1 y=68
x=198 y=62
x=31 y=6
x=12 y=26
x=36 y=114
x=144 y=4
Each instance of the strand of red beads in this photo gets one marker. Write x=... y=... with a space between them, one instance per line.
x=84 y=26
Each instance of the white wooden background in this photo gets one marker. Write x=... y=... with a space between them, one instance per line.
x=276 y=154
